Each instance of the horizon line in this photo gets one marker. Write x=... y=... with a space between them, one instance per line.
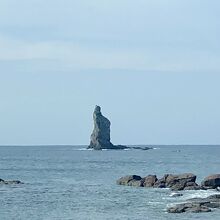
x=72 y=145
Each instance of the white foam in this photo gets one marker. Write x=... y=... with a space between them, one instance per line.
x=200 y=194
x=82 y=149
x=174 y=194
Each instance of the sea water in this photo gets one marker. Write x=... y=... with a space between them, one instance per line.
x=72 y=183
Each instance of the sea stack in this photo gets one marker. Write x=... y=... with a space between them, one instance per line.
x=100 y=137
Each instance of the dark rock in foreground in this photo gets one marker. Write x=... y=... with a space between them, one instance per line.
x=197 y=205
x=9 y=182
x=184 y=181
x=100 y=137
x=211 y=182
x=188 y=207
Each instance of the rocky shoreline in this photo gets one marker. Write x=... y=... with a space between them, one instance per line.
x=180 y=182
x=185 y=181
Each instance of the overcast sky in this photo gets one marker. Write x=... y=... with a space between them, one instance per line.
x=152 y=65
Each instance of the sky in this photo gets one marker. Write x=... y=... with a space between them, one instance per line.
x=152 y=65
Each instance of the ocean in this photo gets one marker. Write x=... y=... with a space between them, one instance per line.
x=72 y=183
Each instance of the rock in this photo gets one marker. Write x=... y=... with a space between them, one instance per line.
x=177 y=186
x=185 y=181
x=141 y=148
x=212 y=181
x=177 y=182
x=100 y=137
x=13 y=182
x=181 y=179
x=9 y=182
x=149 y=180
x=188 y=207
x=186 y=186
x=189 y=184
x=146 y=148
x=197 y=205
x=192 y=186
x=161 y=183
x=212 y=198
x=131 y=180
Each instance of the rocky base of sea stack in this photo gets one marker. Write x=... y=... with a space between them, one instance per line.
x=109 y=147
x=185 y=181
x=118 y=147
x=10 y=182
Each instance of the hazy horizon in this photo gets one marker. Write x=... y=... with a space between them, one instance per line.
x=153 y=67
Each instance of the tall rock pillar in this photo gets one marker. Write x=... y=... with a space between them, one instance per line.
x=100 y=137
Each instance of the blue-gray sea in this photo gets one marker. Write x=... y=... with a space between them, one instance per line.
x=71 y=183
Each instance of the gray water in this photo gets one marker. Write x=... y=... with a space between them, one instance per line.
x=71 y=183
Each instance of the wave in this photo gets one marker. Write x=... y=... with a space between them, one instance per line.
x=82 y=149
x=200 y=194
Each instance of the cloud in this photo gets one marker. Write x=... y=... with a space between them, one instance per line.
x=144 y=35
x=72 y=55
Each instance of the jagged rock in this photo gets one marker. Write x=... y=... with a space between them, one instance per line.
x=100 y=137
x=149 y=180
x=212 y=181
x=131 y=180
